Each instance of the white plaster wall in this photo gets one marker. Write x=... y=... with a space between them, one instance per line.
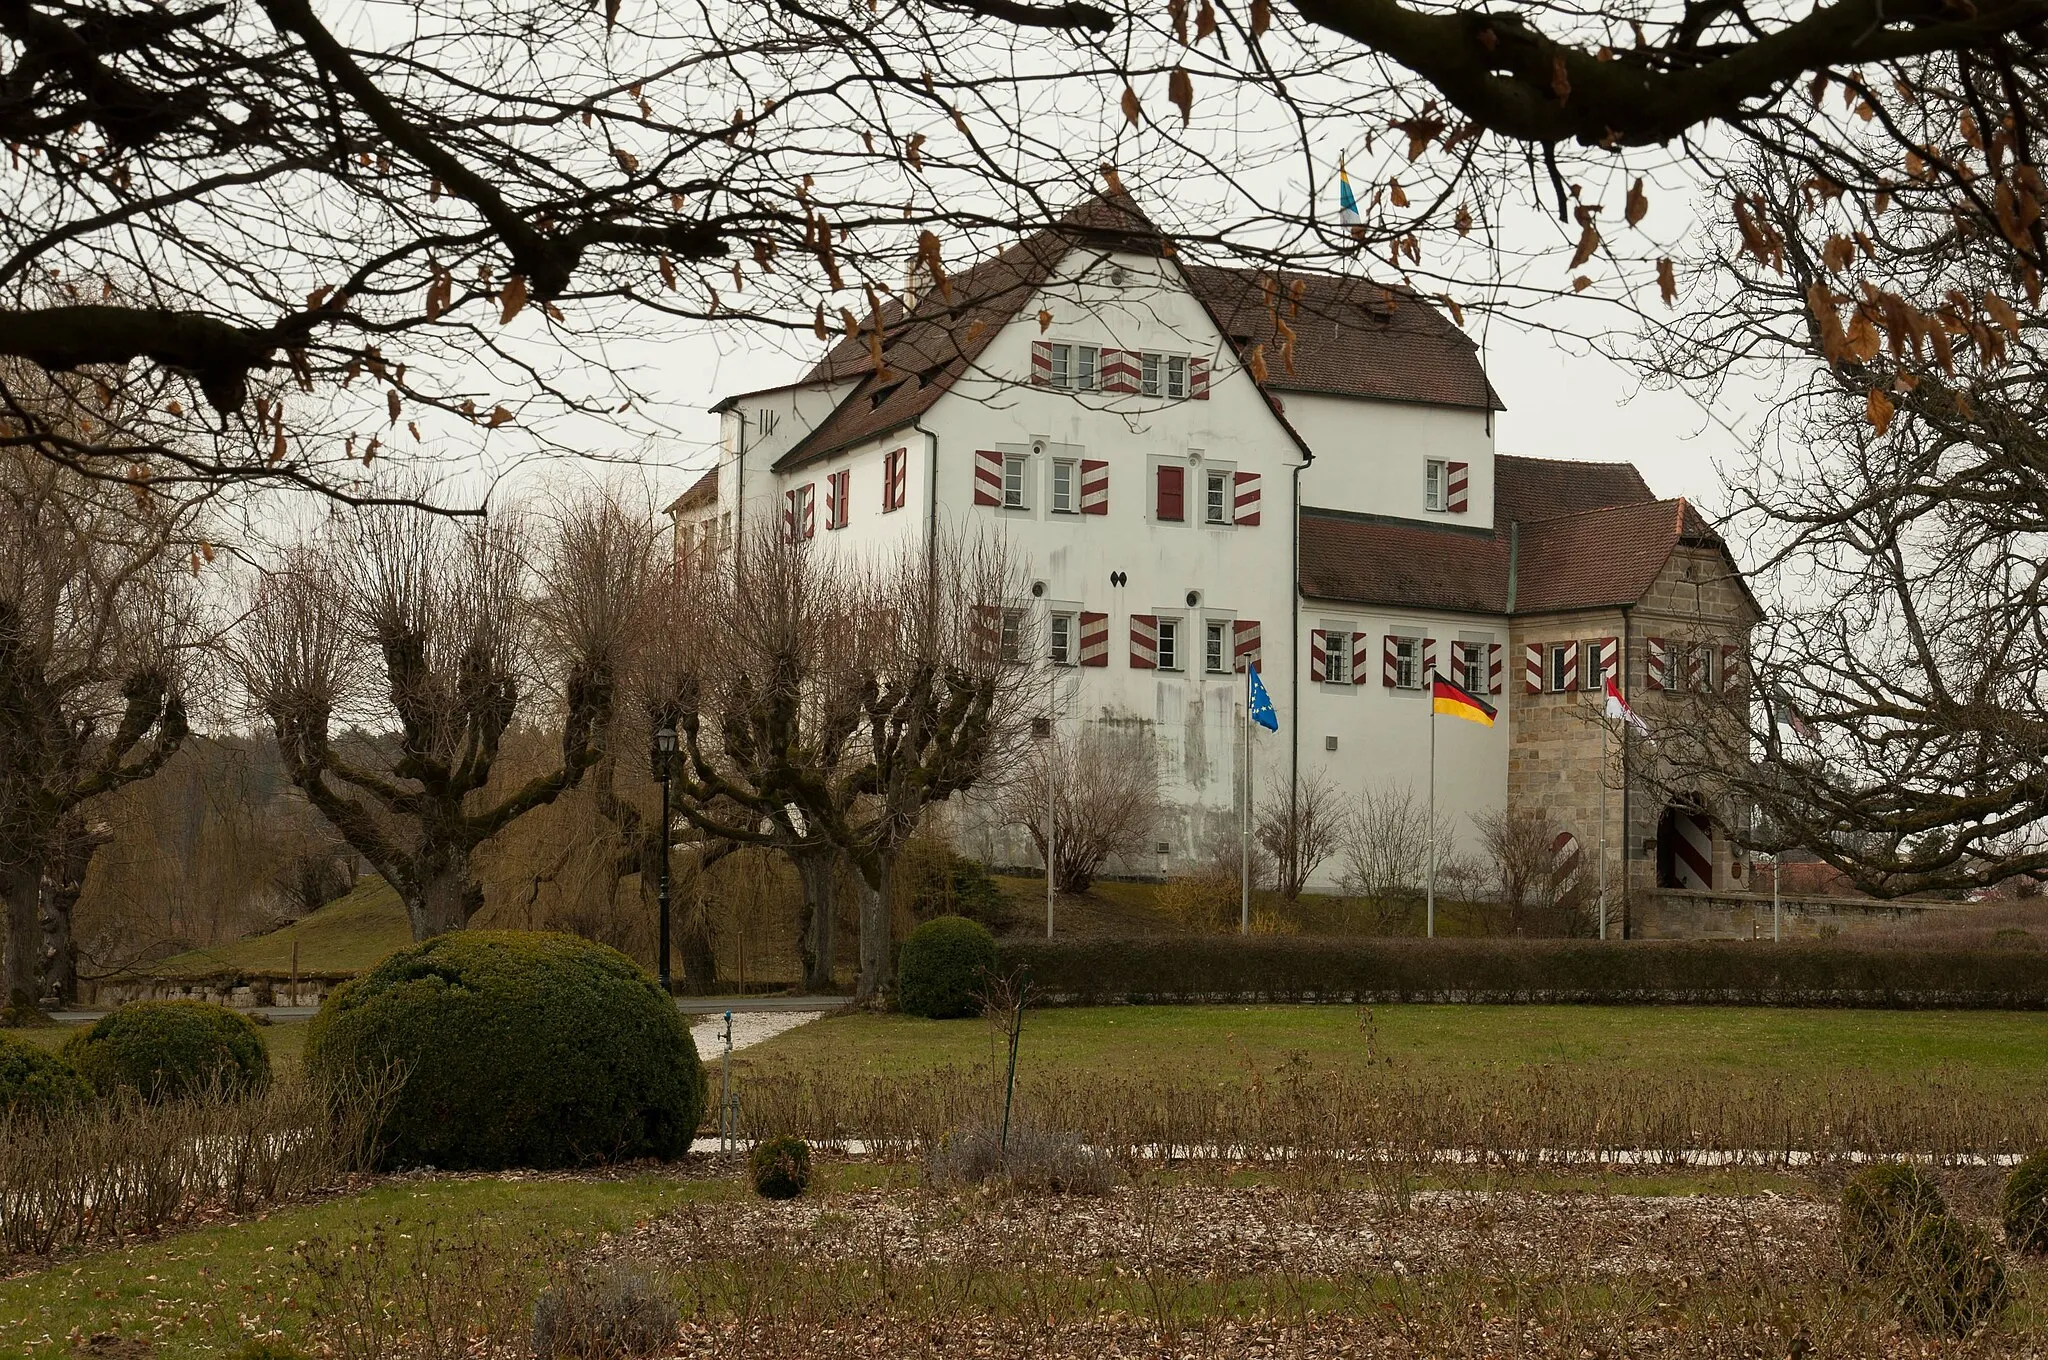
x=1370 y=455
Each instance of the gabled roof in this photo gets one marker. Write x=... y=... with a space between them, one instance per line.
x=1587 y=556
x=1351 y=342
x=1353 y=337
x=702 y=492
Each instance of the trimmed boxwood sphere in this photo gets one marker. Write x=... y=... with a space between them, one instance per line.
x=780 y=1167
x=167 y=1050
x=1949 y=1276
x=518 y=1048
x=33 y=1082
x=2026 y=1204
x=945 y=962
x=1882 y=1205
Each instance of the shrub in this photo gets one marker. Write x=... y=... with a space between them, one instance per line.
x=166 y=1050
x=780 y=1167
x=33 y=1082
x=1166 y=969
x=517 y=1049
x=610 y=1313
x=2026 y=1204
x=1881 y=1207
x=1054 y=1163
x=939 y=882
x=945 y=962
x=1950 y=1277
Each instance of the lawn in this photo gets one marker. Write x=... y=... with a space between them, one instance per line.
x=286 y=1039
x=345 y=936
x=201 y=1293
x=1994 y=1047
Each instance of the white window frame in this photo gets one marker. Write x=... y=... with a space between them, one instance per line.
x=1216 y=646
x=1061 y=637
x=1589 y=664
x=1087 y=370
x=1169 y=655
x=1150 y=381
x=1705 y=653
x=1176 y=376
x=1019 y=484
x=1554 y=656
x=1337 y=659
x=1061 y=358
x=1436 y=479
x=1068 y=503
x=1407 y=662
x=1217 y=484
x=1470 y=667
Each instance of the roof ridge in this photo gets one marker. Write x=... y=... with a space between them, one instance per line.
x=1608 y=509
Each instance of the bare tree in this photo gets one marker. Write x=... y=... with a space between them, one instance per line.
x=1106 y=799
x=95 y=616
x=427 y=635
x=1517 y=844
x=1299 y=827
x=1385 y=850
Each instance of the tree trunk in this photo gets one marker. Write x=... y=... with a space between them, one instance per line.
x=21 y=973
x=818 y=872
x=60 y=950
x=699 y=948
x=877 y=934
x=442 y=903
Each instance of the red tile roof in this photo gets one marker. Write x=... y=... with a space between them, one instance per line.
x=1365 y=560
x=702 y=492
x=1354 y=338
x=1602 y=557
x=1530 y=489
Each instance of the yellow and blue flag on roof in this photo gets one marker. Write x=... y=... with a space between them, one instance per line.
x=1347 y=202
x=1261 y=703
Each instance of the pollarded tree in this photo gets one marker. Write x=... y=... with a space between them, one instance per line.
x=428 y=637
x=96 y=614
x=1101 y=788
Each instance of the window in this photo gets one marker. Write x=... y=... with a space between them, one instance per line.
x=1170 y=508
x=1471 y=666
x=1013 y=481
x=1086 y=364
x=1176 y=376
x=1408 y=663
x=1434 y=479
x=1169 y=644
x=1062 y=365
x=1060 y=639
x=1337 y=657
x=1589 y=666
x=1012 y=645
x=892 y=479
x=1063 y=478
x=1215 y=647
x=1216 y=498
x=1148 y=374
x=1560 y=673
x=1702 y=673
x=725 y=531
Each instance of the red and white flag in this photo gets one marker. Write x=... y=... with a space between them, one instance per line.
x=1617 y=707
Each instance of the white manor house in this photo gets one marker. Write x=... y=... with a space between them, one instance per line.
x=1205 y=466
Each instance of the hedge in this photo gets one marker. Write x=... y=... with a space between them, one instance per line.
x=1159 y=970
x=518 y=1049
x=168 y=1050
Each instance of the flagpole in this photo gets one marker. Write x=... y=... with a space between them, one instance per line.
x=1605 y=723
x=1429 y=907
x=1244 y=818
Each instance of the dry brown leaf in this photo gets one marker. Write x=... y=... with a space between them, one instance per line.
x=1581 y=284
x=1262 y=17
x=1877 y=409
x=1205 y=21
x=818 y=323
x=1451 y=304
x=1667 y=282
x=1255 y=361
x=1589 y=241
x=499 y=416
x=1044 y=321
x=1838 y=254
x=1132 y=108
x=1638 y=206
x=1396 y=194
x=628 y=162
x=412 y=427
x=512 y=300
x=1180 y=92
x=1463 y=221
x=2002 y=312
x=393 y=405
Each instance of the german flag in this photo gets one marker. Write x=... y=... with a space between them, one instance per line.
x=1446 y=697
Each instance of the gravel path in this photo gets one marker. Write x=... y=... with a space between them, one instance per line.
x=748 y=1028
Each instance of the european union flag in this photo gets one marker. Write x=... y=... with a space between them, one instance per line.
x=1262 y=703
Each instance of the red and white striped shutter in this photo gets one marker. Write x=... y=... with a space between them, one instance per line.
x=845 y=498
x=810 y=504
x=831 y=500
x=1654 y=663
x=1731 y=668
x=1119 y=371
x=789 y=512
x=1457 y=476
x=1610 y=661
x=1041 y=363
x=1390 y=661
x=1571 y=666
x=1246 y=509
x=1496 y=668
x=1144 y=642
x=987 y=628
x=1316 y=669
x=902 y=478
x=988 y=477
x=1094 y=486
x=1532 y=667
x=1094 y=639
x=1695 y=657
x=1361 y=657
x=1198 y=378
x=1428 y=661
x=1244 y=645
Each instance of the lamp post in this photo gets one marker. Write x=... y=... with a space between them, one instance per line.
x=663 y=757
